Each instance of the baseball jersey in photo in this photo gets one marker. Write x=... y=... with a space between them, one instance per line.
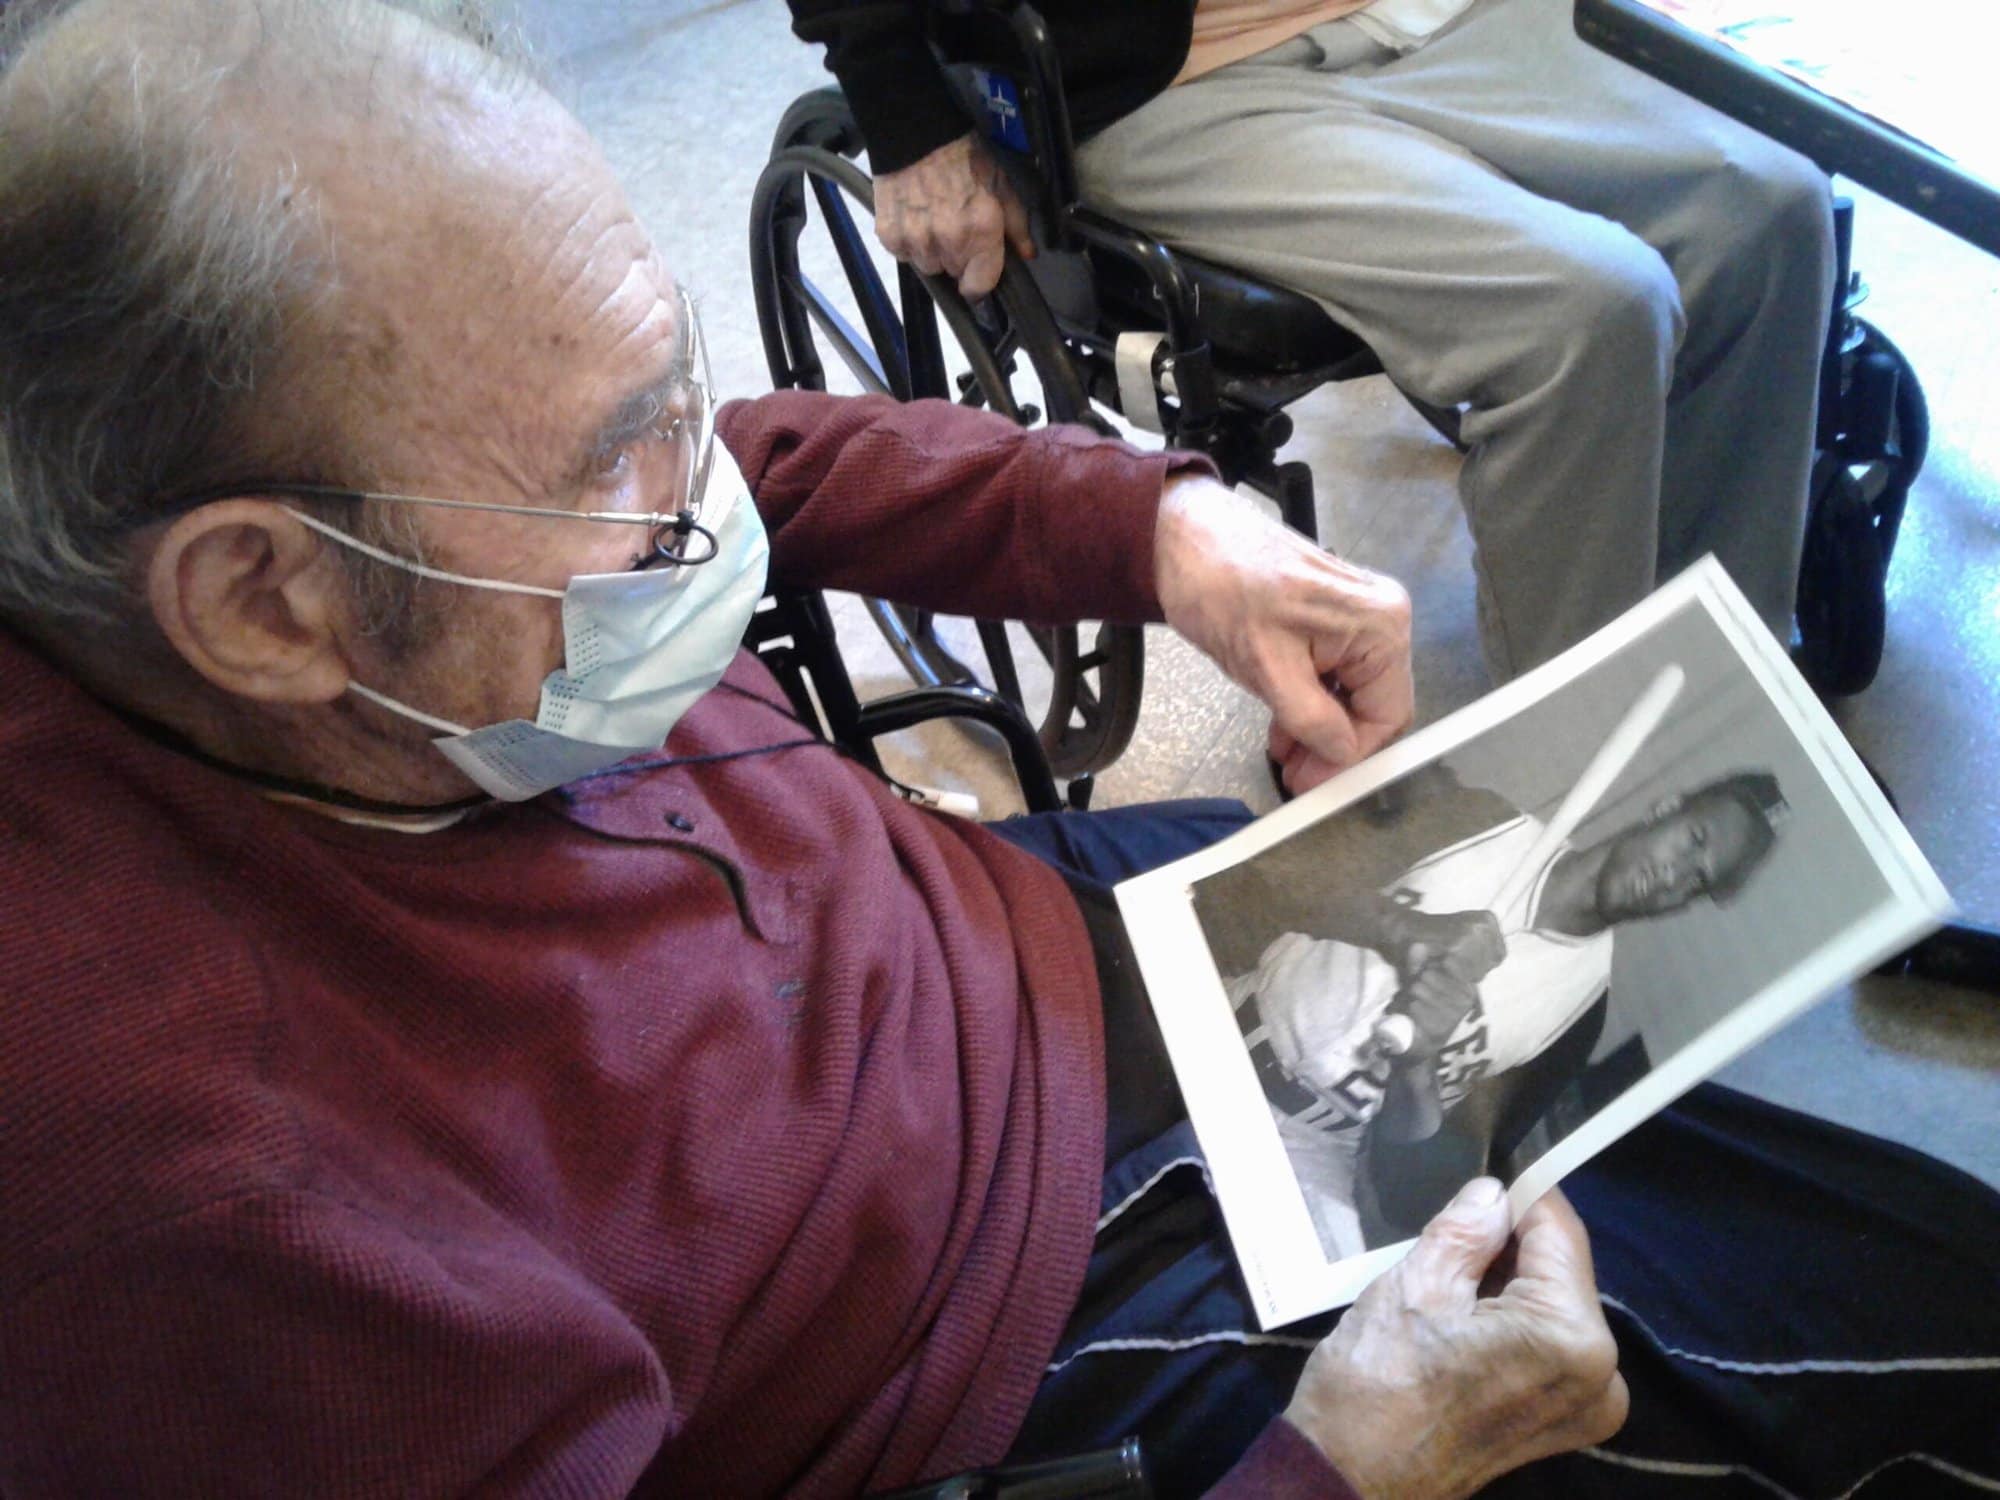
x=1319 y=999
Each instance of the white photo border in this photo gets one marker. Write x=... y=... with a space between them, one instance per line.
x=1262 y=1203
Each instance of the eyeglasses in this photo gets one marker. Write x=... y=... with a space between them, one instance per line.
x=678 y=540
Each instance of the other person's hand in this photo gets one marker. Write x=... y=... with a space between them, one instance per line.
x=1428 y=1390
x=1324 y=643
x=953 y=213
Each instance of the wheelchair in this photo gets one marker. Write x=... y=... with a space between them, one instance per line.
x=1106 y=317
x=792 y=634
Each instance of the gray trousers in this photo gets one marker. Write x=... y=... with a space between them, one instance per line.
x=1628 y=292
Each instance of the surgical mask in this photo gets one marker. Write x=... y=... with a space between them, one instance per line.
x=638 y=649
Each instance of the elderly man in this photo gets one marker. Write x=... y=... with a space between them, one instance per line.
x=460 y=1034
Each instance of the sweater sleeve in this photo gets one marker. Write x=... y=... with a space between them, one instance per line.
x=1282 y=1465
x=284 y=1344
x=878 y=51
x=944 y=507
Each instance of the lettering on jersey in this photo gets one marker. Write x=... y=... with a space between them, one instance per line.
x=1350 y=1102
x=1466 y=1058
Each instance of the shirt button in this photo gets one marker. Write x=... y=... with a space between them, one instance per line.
x=680 y=822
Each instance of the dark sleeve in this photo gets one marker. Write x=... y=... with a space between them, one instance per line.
x=1282 y=1465
x=877 y=49
x=284 y=1344
x=944 y=507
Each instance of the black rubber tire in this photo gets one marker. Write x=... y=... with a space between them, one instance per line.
x=1842 y=603
x=1096 y=687
x=1909 y=440
x=1842 y=606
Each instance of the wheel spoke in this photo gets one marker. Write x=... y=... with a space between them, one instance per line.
x=1000 y=658
x=847 y=343
x=878 y=314
x=920 y=334
x=906 y=340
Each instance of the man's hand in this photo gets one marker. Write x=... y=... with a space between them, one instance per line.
x=1324 y=643
x=1427 y=1390
x=953 y=213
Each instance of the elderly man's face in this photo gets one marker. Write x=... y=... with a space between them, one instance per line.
x=506 y=317
x=1661 y=866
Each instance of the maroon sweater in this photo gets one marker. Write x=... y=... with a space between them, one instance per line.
x=719 y=1129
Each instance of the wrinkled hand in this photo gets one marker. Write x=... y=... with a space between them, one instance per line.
x=1324 y=643
x=1427 y=1390
x=953 y=213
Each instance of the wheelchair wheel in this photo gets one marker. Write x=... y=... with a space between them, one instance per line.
x=1842 y=604
x=1860 y=488
x=820 y=290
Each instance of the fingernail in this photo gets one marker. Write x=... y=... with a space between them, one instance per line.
x=1481 y=1192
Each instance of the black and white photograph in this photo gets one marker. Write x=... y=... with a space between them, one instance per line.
x=1556 y=912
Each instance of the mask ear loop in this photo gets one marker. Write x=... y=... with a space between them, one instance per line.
x=383 y=700
x=416 y=567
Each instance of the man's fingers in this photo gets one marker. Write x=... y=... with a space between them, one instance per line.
x=1380 y=687
x=1444 y=1268
x=1016 y=217
x=982 y=272
x=1309 y=713
x=1552 y=1253
x=1298 y=767
x=918 y=251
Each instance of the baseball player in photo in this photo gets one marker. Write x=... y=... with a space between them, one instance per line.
x=1470 y=965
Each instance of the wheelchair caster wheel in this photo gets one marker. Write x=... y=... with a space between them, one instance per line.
x=1860 y=487
x=1842 y=605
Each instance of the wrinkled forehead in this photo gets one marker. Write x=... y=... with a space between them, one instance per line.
x=487 y=270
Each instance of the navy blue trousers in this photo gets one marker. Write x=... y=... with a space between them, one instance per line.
x=1801 y=1310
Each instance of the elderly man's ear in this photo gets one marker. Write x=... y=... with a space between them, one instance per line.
x=251 y=599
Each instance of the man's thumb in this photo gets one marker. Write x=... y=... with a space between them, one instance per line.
x=1456 y=1248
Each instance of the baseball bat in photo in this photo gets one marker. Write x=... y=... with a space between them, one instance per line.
x=1611 y=759
x=1395 y=1033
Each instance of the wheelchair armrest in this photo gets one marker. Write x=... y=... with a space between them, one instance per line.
x=970 y=701
x=1011 y=38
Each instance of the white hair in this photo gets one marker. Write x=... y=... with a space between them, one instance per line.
x=149 y=277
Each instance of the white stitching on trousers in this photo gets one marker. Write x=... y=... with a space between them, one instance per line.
x=1148 y=1185
x=1724 y=1471
x=1942 y=1363
x=1168 y=1346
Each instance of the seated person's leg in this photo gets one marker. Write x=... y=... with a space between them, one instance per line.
x=1472 y=290
x=1792 y=1297
x=1744 y=224
x=1201 y=1383
x=1486 y=212
x=1106 y=847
